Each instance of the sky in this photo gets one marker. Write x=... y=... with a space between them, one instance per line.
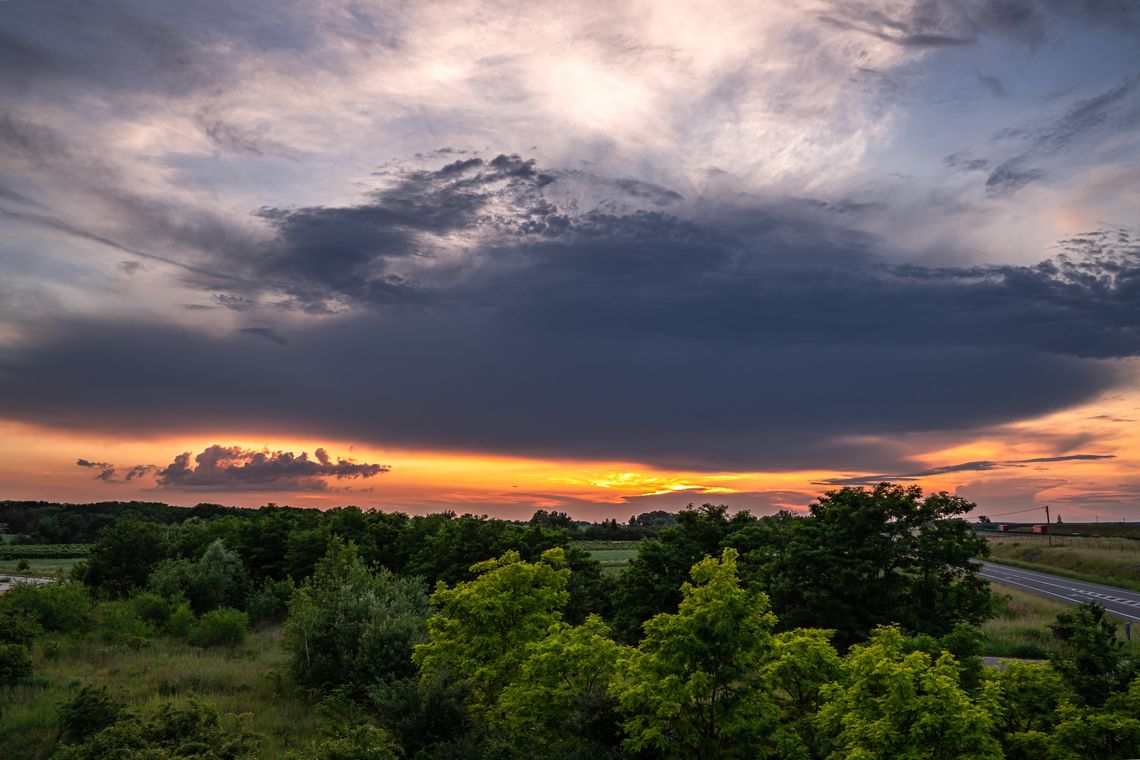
x=595 y=257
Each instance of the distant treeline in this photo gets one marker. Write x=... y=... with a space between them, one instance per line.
x=45 y=522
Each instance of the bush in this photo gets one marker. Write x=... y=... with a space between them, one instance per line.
x=119 y=623
x=269 y=602
x=22 y=566
x=17 y=626
x=15 y=664
x=63 y=607
x=87 y=713
x=217 y=579
x=153 y=608
x=220 y=627
x=363 y=742
x=181 y=621
x=189 y=729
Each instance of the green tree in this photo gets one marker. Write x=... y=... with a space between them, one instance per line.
x=891 y=705
x=216 y=579
x=350 y=626
x=804 y=662
x=1092 y=661
x=864 y=558
x=694 y=686
x=483 y=626
x=651 y=584
x=124 y=556
x=559 y=701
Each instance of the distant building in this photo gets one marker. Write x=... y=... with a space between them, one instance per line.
x=1040 y=528
x=1003 y=528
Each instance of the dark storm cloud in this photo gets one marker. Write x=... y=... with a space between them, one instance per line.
x=477 y=312
x=106 y=470
x=234 y=468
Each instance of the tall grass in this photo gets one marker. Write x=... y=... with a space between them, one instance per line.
x=247 y=679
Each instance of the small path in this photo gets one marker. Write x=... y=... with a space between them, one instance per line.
x=7 y=581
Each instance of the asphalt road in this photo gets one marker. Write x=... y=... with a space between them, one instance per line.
x=1120 y=602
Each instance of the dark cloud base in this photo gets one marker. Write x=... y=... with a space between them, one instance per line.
x=745 y=337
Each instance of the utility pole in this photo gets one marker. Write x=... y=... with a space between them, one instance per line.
x=1047 y=533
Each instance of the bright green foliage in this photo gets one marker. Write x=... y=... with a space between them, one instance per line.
x=217 y=579
x=865 y=558
x=483 y=627
x=348 y=625
x=88 y=712
x=804 y=662
x=891 y=705
x=693 y=688
x=15 y=663
x=220 y=627
x=1101 y=733
x=1030 y=696
x=124 y=556
x=362 y=742
x=559 y=702
x=189 y=729
x=63 y=607
x=1093 y=660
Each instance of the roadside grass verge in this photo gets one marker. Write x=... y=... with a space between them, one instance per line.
x=247 y=679
x=1096 y=565
x=1020 y=627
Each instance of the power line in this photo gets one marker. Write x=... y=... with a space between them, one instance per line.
x=1018 y=512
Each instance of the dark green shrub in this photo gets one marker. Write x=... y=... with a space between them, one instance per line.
x=189 y=729
x=17 y=626
x=220 y=627
x=85 y=714
x=217 y=579
x=15 y=664
x=153 y=608
x=63 y=607
x=119 y=623
x=269 y=602
x=181 y=621
x=22 y=566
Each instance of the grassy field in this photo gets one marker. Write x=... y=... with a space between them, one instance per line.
x=1099 y=563
x=1021 y=626
x=41 y=568
x=613 y=556
x=245 y=680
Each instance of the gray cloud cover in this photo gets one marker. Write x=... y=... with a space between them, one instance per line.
x=709 y=258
